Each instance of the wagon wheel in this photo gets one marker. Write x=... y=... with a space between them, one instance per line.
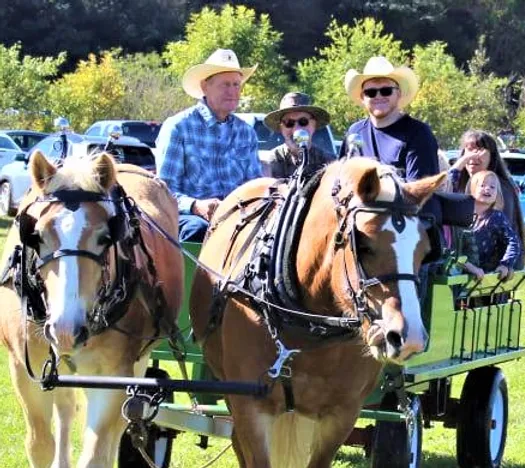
x=482 y=419
x=392 y=445
x=159 y=443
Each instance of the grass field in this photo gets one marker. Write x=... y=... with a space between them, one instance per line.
x=438 y=443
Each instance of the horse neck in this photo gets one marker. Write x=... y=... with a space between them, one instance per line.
x=315 y=253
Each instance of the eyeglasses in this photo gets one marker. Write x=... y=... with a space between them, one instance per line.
x=290 y=123
x=384 y=91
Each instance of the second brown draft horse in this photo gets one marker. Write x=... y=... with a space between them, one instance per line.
x=312 y=292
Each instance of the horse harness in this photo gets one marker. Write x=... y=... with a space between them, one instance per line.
x=269 y=279
x=115 y=294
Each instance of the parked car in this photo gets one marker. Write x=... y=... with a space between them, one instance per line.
x=24 y=139
x=15 y=142
x=269 y=139
x=15 y=178
x=143 y=130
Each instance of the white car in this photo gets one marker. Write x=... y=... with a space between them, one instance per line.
x=15 y=178
x=16 y=142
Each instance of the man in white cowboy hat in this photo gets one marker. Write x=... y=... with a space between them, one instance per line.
x=205 y=152
x=388 y=134
x=295 y=112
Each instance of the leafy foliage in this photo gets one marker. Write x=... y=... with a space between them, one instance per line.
x=253 y=40
x=23 y=87
x=94 y=91
x=452 y=100
x=150 y=92
x=449 y=99
x=350 y=47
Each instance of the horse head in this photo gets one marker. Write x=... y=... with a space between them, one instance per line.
x=379 y=244
x=68 y=223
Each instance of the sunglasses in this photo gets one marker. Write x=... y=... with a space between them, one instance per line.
x=290 y=123
x=384 y=91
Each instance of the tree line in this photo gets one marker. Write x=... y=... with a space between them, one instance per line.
x=120 y=83
x=47 y=27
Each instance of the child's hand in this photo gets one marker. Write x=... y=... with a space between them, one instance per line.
x=504 y=272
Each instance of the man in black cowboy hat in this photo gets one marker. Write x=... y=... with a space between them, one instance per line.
x=295 y=112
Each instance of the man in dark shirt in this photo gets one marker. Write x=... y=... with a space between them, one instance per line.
x=295 y=112
x=388 y=134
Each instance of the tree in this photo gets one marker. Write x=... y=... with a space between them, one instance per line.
x=250 y=36
x=24 y=82
x=450 y=100
x=350 y=47
x=150 y=92
x=94 y=91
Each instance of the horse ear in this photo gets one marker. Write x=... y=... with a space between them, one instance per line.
x=41 y=170
x=421 y=190
x=105 y=171
x=368 y=184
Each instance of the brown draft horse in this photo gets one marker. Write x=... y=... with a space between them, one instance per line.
x=103 y=304
x=358 y=254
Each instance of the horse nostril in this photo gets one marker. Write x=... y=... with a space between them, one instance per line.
x=81 y=336
x=394 y=339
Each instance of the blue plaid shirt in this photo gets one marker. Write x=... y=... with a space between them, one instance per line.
x=199 y=157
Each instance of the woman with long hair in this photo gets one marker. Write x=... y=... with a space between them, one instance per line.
x=479 y=152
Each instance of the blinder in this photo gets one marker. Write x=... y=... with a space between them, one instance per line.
x=26 y=228
x=117 y=225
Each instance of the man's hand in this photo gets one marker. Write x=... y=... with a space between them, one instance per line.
x=205 y=208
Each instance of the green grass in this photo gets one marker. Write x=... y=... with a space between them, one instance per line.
x=438 y=443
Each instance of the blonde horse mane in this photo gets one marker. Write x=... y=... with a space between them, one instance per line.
x=77 y=172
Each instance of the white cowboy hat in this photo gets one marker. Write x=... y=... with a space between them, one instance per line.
x=380 y=67
x=222 y=60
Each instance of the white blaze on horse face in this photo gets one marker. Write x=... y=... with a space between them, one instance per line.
x=66 y=305
x=411 y=328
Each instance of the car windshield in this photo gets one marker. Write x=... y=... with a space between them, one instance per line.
x=7 y=143
x=144 y=131
x=515 y=166
x=138 y=155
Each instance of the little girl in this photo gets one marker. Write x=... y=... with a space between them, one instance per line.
x=497 y=243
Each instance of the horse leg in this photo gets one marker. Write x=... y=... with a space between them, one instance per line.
x=37 y=407
x=105 y=424
x=65 y=410
x=237 y=449
x=330 y=433
x=252 y=433
x=104 y=428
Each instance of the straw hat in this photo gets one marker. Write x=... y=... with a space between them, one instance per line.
x=380 y=67
x=222 y=60
x=296 y=102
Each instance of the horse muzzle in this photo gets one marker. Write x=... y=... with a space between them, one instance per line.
x=395 y=343
x=66 y=341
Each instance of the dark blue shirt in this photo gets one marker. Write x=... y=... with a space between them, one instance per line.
x=408 y=144
x=497 y=243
